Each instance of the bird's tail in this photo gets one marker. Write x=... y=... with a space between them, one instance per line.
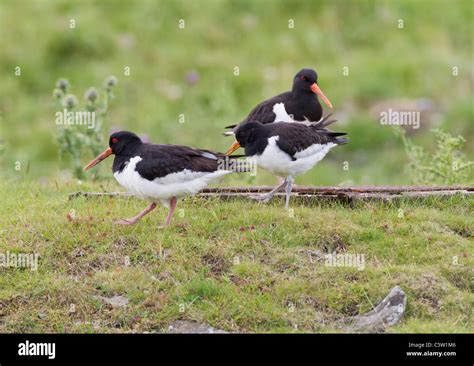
x=342 y=140
x=324 y=122
x=337 y=137
x=231 y=132
x=322 y=125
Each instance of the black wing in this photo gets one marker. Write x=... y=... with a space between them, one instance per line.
x=161 y=160
x=294 y=137
x=264 y=111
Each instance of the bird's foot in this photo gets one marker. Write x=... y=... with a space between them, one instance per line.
x=264 y=198
x=163 y=226
x=126 y=222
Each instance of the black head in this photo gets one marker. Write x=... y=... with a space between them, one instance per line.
x=304 y=79
x=306 y=82
x=121 y=143
x=248 y=133
x=124 y=142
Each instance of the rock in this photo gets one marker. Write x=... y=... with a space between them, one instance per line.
x=185 y=326
x=387 y=313
x=115 y=301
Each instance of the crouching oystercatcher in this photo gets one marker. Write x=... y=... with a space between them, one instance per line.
x=286 y=149
x=160 y=172
x=301 y=104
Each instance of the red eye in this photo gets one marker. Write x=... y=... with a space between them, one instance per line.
x=302 y=77
x=114 y=140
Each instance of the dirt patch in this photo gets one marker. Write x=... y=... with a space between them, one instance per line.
x=463 y=232
x=83 y=265
x=332 y=244
x=125 y=244
x=217 y=264
x=8 y=305
x=426 y=290
x=462 y=277
x=155 y=302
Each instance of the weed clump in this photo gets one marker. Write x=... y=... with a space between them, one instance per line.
x=80 y=131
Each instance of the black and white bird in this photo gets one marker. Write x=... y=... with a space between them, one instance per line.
x=301 y=104
x=286 y=149
x=160 y=172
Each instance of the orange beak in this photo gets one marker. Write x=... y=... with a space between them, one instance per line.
x=98 y=159
x=315 y=89
x=233 y=147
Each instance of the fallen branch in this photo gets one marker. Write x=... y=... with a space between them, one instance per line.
x=335 y=190
x=311 y=193
x=387 y=313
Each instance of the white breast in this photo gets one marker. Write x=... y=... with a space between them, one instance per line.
x=177 y=184
x=281 y=115
x=280 y=163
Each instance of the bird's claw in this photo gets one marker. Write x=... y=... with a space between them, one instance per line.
x=124 y=222
x=263 y=198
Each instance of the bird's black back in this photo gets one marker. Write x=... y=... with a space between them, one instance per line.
x=160 y=160
x=293 y=137
x=301 y=107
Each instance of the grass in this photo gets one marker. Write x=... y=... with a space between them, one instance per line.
x=238 y=265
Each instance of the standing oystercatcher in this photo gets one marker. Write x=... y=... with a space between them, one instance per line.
x=301 y=104
x=285 y=149
x=160 y=172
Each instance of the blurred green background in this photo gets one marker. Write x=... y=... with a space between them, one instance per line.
x=190 y=71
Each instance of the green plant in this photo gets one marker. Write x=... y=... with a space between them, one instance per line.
x=448 y=165
x=81 y=132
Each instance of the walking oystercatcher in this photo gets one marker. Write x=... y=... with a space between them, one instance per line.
x=160 y=172
x=286 y=149
x=301 y=104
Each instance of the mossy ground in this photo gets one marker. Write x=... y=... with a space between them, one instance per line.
x=239 y=266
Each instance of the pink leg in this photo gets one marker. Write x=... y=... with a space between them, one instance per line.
x=170 y=213
x=281 y=180
x=137 y=218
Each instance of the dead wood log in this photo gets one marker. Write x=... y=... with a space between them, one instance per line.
x=387 y=313
x=310 y=194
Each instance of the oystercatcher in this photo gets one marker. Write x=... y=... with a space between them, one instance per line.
x=286 y=149
x=301 y=104
x=160 y=172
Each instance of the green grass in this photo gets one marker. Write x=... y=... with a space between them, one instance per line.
x=235 y=265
